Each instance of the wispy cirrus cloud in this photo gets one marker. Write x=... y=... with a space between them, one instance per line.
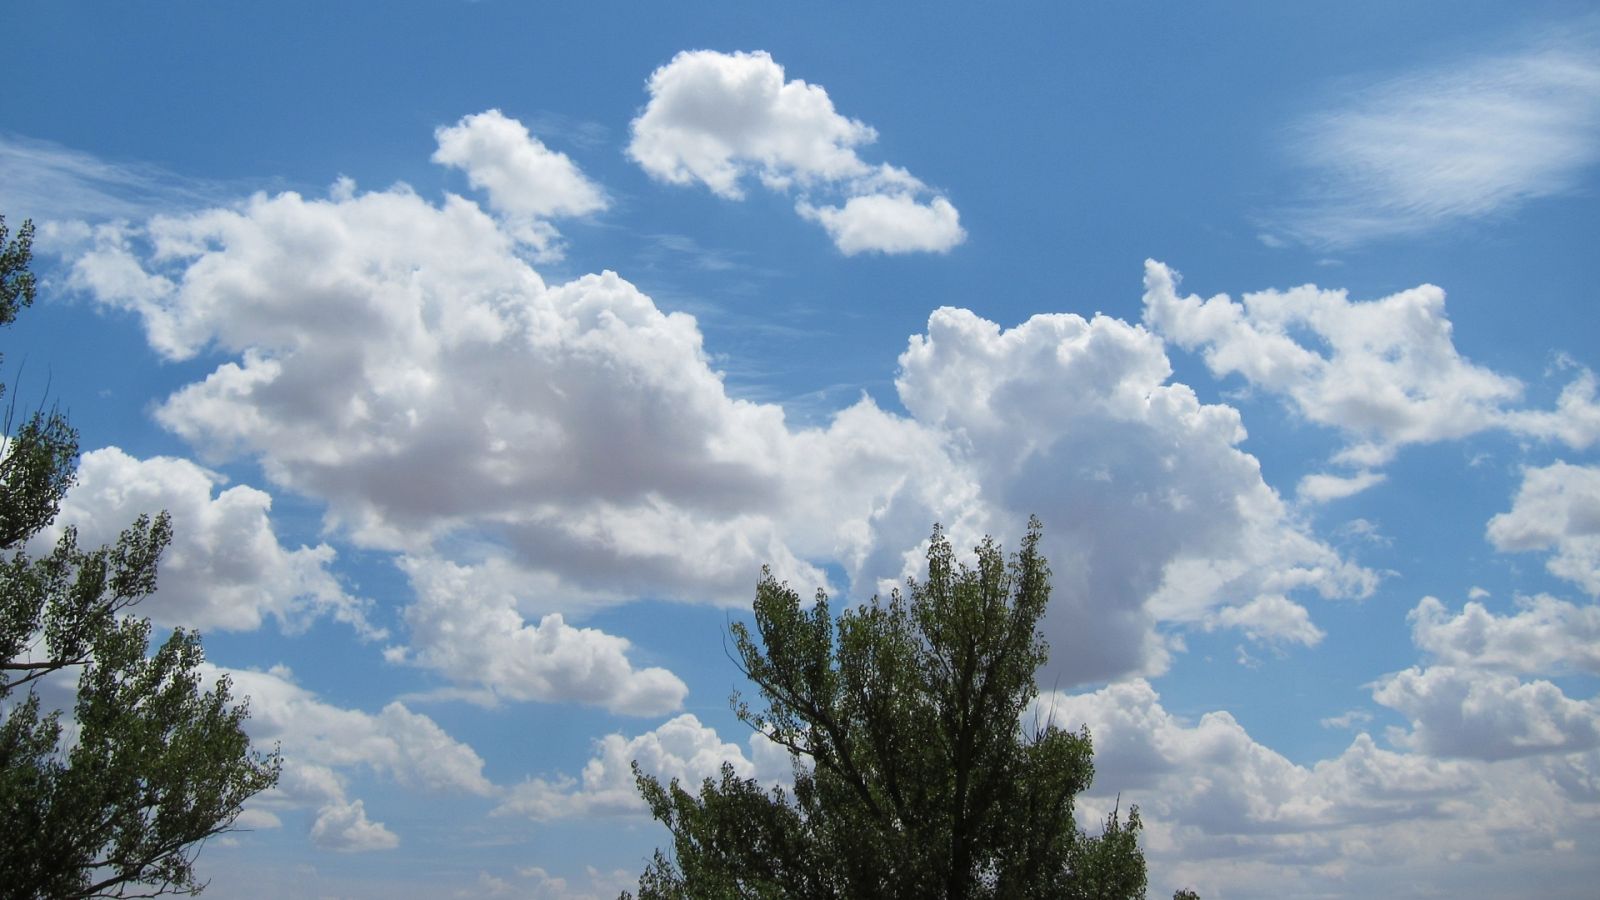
x=47 y=182
x=1462 y=140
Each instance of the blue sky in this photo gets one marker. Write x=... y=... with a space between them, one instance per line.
x=483 y=352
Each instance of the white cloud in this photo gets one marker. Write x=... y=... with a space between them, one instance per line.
x=377 y=340
x=1151 y=511
x=542 y=881
x=225 y=568
x=1232 y=817
x=1270 y=617
x=55 y=185
x=1139 y=746
x=1459 y=141
x=1557 y=508
x=1347 y=719
x=322 y=744
x=681 y=748
x=406 y=747
x=488 y=886
x=1321 y=487
x=717 y=118
x=1390 y=374
x=722 y=118
x=344 y=827
x=525 y=180
x=580 y=419
x=466 y=626
x=889 y=223
x=1545 y=635
x=1479 y=714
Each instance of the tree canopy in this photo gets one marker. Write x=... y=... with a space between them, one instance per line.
x=915 y=775
x=153 y=763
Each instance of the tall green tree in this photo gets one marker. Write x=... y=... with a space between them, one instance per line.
x=155 y=763
x=914 y=774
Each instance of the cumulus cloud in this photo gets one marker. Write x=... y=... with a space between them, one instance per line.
x=1479 y=714
x=406 y=747
x=1228 y=815
x=225 y=568
x=1471 y=703
x=374 y=340
x=720 y=119
x=1557 y=508
x=681 y=748
x=1460 y=141
x=716 y=118
x=1270 y=617
x=1151 y=511
x=1544 y=635
x=889 y=224
x=466 y=626
x=579 y=418
x=323 y=744
x=345 y=828
x=1236 y=785
x=1385 y=372
x=525 y=180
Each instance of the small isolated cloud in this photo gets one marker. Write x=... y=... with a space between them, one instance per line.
x=1322 y=487
x=1365 y=531
x=889 y=224
x=465 y=625
x=1557 y=508
x=225 y=568
x=681 y=748
x=1269 y=618
x=720 y=119
x=345 y=828
x=1460 y=141
x=1385 y=372
x=1349 y=719
x=526 y=181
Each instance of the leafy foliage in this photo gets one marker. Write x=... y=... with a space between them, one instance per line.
x=117 y=802
x=913 y=775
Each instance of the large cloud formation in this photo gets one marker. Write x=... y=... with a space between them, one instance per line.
x=377 y=340
x=721 y=118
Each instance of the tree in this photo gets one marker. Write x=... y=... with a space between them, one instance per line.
x=117 y=802
x=913 y=775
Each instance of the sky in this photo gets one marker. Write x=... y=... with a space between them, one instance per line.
x=483 y=353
